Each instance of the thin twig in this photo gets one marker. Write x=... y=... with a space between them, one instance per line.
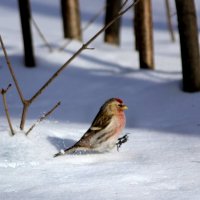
x=84 y=46
x=11 y=71
x=90 y=48
x=41 y=34
x=42 y=118
x=65 y=45
x=3 y=92
x=27 y=103
x=93 y=19
x=169 y=20
x=123 y=5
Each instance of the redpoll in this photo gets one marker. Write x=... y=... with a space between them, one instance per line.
x=104 y=131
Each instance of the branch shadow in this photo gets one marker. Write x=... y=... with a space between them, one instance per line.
x=111 y=66
x=136 y=91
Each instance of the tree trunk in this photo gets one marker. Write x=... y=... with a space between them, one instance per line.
x=188 y=32
x=25 y=16
x=71 y=19
x=112 y=34
x=144 y=33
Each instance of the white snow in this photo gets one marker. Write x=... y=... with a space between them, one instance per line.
x=161 y=159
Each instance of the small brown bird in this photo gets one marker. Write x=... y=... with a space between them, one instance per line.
x=104 y=131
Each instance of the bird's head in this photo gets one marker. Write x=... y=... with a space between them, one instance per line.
x=114 y=105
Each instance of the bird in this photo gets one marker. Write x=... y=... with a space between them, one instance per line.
x=104 y=131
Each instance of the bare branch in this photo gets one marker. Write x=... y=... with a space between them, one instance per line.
x=93 y=19
x=61 y=48
x=41 y=34
x=90 y=48
x=169 y=20
x=123 y=5
x=84 y=46
x=27 y=103
x=11 y=71
x=43 y=117
x=3 y=92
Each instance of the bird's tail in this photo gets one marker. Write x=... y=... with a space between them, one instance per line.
x=70 y=150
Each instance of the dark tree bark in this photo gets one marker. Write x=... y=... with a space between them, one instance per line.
x=112 y=34
x=71 y=19
x=144 y=33
x=188 y=32
x=25 y=16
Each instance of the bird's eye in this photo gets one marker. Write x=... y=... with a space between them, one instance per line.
x=120 y=105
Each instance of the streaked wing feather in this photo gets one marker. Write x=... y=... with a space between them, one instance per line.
x=100 y=122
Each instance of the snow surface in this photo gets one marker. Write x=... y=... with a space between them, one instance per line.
x=161 y=160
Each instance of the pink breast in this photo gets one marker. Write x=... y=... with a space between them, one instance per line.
x=121 y=122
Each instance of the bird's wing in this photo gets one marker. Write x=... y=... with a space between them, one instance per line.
x=99 y=123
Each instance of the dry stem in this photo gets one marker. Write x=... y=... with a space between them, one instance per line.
x=11 y=71
x=41 y=34
x=93 y=19
x=27 y=103
x=43 y=117
x=169 y=20
x=3 y=92
x=84 y=46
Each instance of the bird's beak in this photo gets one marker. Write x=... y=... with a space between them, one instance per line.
x=124 y=107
